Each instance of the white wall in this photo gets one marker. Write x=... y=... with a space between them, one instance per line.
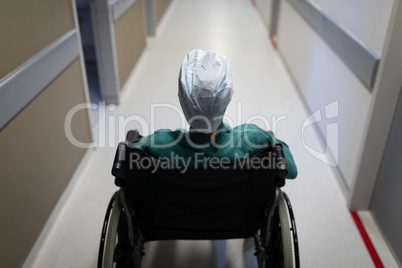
x=385 y=96
x=366 y=19
x=264 y=6
x=323 y=78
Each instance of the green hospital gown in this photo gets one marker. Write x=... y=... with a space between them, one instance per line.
x=230 y=143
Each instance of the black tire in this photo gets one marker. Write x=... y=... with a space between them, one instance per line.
x=118 y=252
x=294 y=231
x=110 y=243
x=280 y=250
x=104 y=231
x=286 y=233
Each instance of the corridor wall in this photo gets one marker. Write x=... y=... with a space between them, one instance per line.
x=40 y=60
x=130 y=39
x=130 y=34
x=160 y=8
x=368 y=20
x=326 y=79
x=119 y=33
x=264 y=7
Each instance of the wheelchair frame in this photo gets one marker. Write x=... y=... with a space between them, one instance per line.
x=276 y=242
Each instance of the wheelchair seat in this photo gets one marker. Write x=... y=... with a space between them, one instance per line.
x=238 y=200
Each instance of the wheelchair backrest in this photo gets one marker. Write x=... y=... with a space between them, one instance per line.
x=204 y=203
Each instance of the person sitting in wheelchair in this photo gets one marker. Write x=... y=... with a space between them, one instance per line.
x=205 y=90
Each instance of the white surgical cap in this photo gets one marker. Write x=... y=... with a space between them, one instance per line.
x=205 y=89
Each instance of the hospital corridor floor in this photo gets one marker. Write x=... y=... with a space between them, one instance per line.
x=263 y=94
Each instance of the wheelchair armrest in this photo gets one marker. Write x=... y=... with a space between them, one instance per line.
x=119 y=161
x=281 y=167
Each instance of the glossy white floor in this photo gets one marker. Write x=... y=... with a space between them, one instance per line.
x=263 y=94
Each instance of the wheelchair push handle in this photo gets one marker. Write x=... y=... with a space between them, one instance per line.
x=280 y=165
x=119 y=161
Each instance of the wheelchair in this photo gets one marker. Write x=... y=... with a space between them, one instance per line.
x=239 y=200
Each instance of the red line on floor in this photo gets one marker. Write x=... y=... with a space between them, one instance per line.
x=373 y=253
x=273 y=42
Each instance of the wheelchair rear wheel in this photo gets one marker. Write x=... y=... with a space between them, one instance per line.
x=118 y=251
x=286 y=233
x=282 y=247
